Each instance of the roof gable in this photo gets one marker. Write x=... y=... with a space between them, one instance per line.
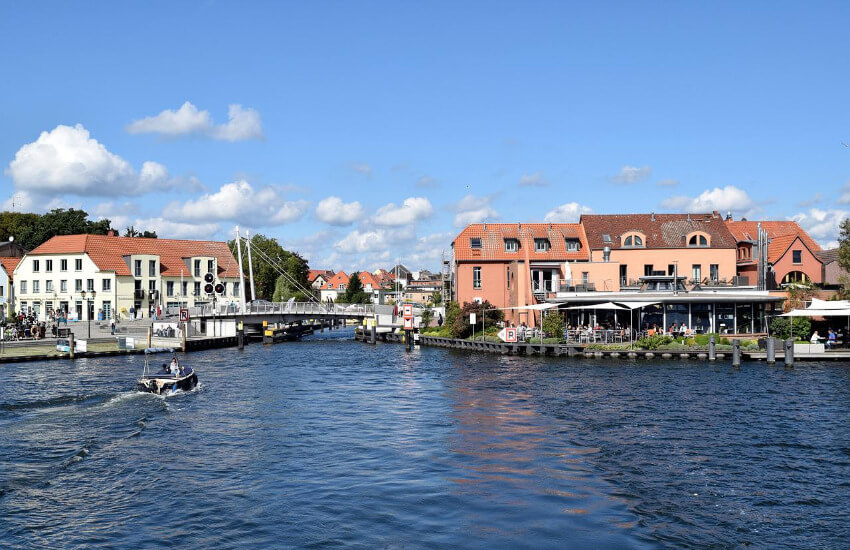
x=659 y=230
x=492 y=237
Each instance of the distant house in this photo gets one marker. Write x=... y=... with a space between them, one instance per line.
x=7 y=292
x=401 y=274
x=832 y=272
x=318 y=277
x=373 y=286
x=335 y=286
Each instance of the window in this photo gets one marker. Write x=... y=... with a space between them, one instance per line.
x=508 y=275
x=647 y=270
x=23 y=287
x=475 y=242
x=63 y=265
x=78 y=264
x=791 y=277
x=151 y=268
x=236 y=288
x=697 y=240
x=633 y=241
x=797 y=256
x=36 y=287
x=152 y=285
x=185 y=288
x=197 y=268
x=210 y=266
x=48 y=286
x=198 y=284
x=106 y=286
x=585 y=278
x=78 y=285
x=48 y=265
x=696 y=273
x=90 y=284
x=511 y=245
x=624 y=275
x=169 y=288
x=606 y=238
x=541 y=245
x=714 y=272
x=476 y=277
x=573 y=245
x=341 y=286
x=2 y=291
x=63 y=285
x=137 y=268
x=36 y=266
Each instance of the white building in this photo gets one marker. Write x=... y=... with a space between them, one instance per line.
x=98 y=276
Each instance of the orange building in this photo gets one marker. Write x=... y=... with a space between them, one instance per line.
x=792 y=255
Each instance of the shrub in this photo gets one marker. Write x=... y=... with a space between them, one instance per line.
x=780 y=327
x=653 y=342
x=427 y=315
x=461 y=327
x=553 y=324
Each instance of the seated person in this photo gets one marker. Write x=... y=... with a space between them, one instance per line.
x=165 y=368
x=174 y=368
x=830 y=339
x=815 y=338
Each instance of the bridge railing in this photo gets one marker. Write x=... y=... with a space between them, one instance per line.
x=282 y=308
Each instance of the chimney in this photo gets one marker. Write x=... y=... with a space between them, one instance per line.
x=485 y=226
x=606 y=254
x=110 y=233
x=729 y=216
x=652 y=216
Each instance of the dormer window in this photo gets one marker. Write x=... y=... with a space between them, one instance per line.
x=573 y=245
x=511 y=245
x=475 y=242
x=698 y=240
x=606 y=238
x=633 y=240
x=542 y=245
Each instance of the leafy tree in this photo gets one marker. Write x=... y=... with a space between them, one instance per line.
x=427 y=316
x=452 y=313
x=297 y=271
x=354 y=293
x=461 y=327
x=133 y=232
x=265 y=274
x=553 y=323
x=436 y=297
x=780 y=327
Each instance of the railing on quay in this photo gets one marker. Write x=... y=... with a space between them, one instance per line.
x=285 y=308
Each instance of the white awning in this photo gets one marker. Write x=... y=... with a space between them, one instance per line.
x=813 y=312
x=606 y=305
x=534 y=307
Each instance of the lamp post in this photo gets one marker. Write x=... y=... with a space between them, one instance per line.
x=89 y=305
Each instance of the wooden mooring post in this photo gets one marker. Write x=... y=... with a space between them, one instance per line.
x=771 y=351
x=712 y=349
x=71 y=344
x=789 y=353
x=736 y=353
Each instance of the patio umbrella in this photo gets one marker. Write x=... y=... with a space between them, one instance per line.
x=633 y=306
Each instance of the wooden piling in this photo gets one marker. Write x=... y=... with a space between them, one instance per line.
x=789 y=353
x=71 y=344
x=771 y=350
x=736 y=353
x=712 y=349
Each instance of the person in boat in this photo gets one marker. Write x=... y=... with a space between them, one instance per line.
x=174 y=368
x=165 y=368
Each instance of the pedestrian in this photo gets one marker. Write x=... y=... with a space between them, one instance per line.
x=112 y=326
x=439 y=319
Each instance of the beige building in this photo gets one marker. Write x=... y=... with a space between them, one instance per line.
x=100 y=276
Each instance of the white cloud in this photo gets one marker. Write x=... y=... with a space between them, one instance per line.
x=240 y=202
x=567 y=213
x=723 y=199
x=363 y=168
x=243 y=123
x=363 y=241
x=68 y=160
x=410 y=211
x=632 y=174
x=334 y=211
x=427 y=182
x=822 y=225
x=533 y=180
x=168 y=229
x=667 y=183
x=472 y=209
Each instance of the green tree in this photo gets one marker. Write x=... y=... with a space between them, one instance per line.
x=436 y=297
x=265 y=274
x=291 y=285
x=354 y=293
x=553 y=323
x=452 y=313
x=427 y=316
x=781 y=327
x=133 y=232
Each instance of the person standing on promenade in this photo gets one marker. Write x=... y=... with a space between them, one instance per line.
x=112 y=326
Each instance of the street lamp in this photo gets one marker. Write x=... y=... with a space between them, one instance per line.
x=89 y=308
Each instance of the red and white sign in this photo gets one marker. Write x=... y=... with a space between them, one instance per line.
x=408 y=323
x=507 y=335
x=408 y=311
x=184 y=314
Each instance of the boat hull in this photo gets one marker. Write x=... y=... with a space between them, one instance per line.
x=166 y=385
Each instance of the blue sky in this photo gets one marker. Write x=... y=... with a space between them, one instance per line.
x=358 y=133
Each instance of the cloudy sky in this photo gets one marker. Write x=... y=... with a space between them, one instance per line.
x=358 y=133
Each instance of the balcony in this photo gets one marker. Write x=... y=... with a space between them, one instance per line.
x=139 y=294
x=576 y=287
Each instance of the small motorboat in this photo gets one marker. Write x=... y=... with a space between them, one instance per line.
x=170 y=378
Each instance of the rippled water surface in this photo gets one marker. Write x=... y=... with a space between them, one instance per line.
x=333 y=443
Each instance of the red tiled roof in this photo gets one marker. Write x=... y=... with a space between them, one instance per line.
x=333 y=283
x=9 y=264
x=748 y=231
x=493 y=237
x=660 y=230
x=778 y=246
x=108 y=252
x=368 y=278
x=313 y=273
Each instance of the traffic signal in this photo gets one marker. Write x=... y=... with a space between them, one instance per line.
x=208 y=278
x=208 y=288
x=219 y=288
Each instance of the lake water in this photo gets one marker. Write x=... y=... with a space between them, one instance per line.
x=331 y=443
